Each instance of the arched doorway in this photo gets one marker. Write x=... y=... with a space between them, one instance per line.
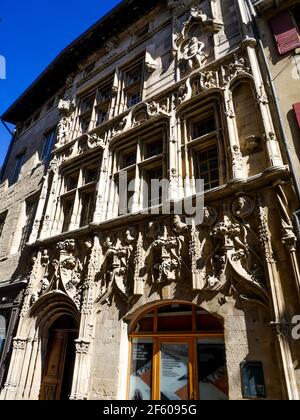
x=177 y=353
x=60 y=359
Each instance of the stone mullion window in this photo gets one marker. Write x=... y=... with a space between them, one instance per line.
x=203 y=148
x=78 y=198
x=103 y=104
x=132 y=84
x=87 y=112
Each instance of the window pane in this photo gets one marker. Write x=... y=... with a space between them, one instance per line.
x=141 y=370
x=48 y=145
x=4 y=319
x=174 y=375
x=18 y=166
x=87 y=205
x=204 y=127
x=253 y=380
x=176 y=318
x=212 y=370
x=209 y=168
x=68 y=210
x=154 y=149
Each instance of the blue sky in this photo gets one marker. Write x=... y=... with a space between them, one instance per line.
x=32 y=33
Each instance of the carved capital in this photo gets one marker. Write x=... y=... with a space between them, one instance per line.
x=19 y=343
x=82 y=346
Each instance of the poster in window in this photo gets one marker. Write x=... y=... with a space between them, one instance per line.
x=141 y=370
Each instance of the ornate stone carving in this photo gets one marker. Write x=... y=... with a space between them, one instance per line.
x=227 y=254
x=82 y=346
x=237 y=160
x=164 y=255
x=252 y=144
x=19 y=344
x=67 y=271
x=264 y=235
x=115 y=270
x=243 y=207
x=193 y=53
x=64 y=127
x=150 y=62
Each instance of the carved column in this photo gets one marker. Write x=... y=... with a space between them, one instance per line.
x=173 y=160
x=83 y=344
x=279 y=307
x=103 y=185
x=273 y=148
x=10 y=389
x=50 y=211
x=238 y=171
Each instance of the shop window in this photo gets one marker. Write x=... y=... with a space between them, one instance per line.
x=172 y=361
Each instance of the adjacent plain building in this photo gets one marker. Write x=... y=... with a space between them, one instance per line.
x=115 y=284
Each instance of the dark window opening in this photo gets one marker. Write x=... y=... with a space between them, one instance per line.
x=49 y=142
x=154 y=149
x=18 y=166
x=88 y=207
x=67 y=213
x=204 y=127
x=31 y=207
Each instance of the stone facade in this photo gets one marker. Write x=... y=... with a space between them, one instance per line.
x=167 y=94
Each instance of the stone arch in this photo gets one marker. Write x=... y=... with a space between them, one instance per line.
x=34 y=332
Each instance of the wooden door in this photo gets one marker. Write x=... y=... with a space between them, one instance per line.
x=55 y=366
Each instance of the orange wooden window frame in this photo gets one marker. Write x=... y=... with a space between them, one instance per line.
x=159 y=338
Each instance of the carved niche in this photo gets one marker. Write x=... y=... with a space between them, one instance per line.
x=192 y=39
x=66 y=110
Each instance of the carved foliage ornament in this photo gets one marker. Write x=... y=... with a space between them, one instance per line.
x=228 y=252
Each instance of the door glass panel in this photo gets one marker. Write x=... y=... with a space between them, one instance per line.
x=141 y=370
x=174 y=375
x=212 y=372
